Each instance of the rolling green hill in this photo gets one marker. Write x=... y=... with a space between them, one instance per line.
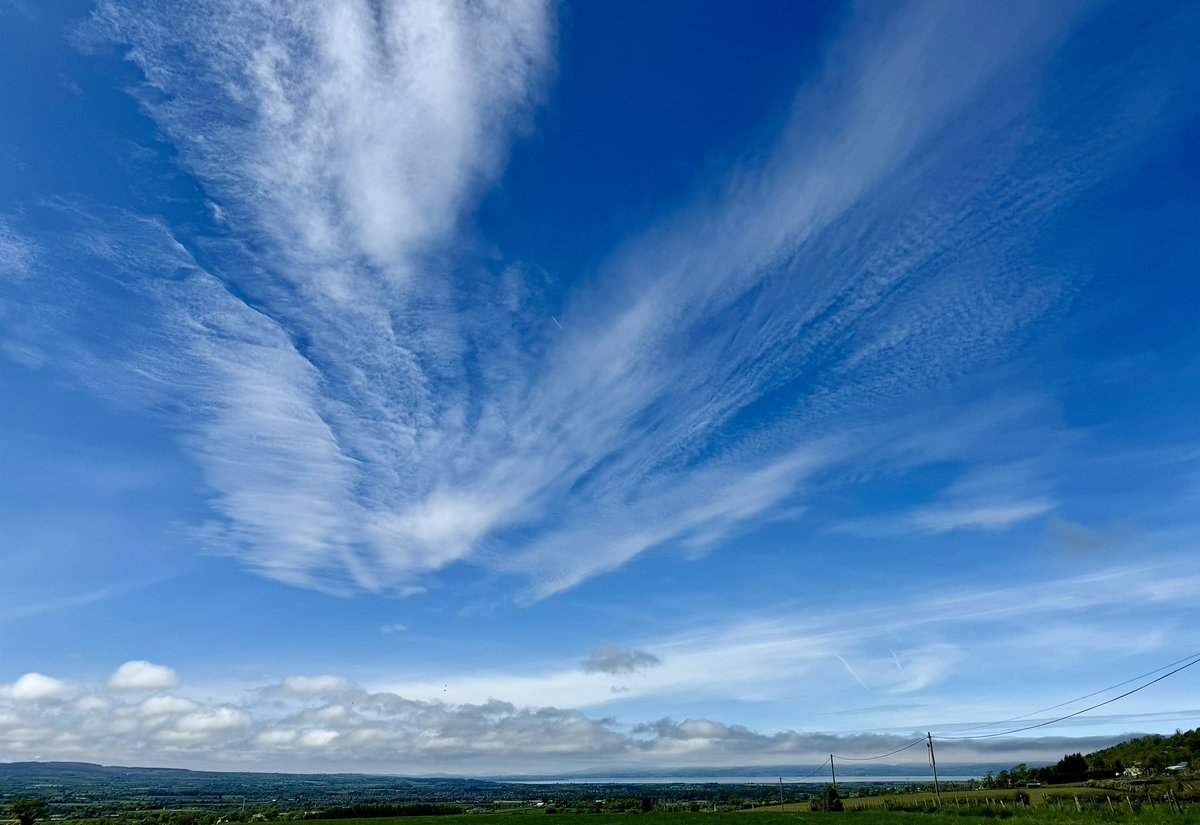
x=1153 y=754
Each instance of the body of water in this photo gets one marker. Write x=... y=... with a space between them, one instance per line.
x=819 y=779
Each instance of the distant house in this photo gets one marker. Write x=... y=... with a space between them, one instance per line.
x=1180 y=768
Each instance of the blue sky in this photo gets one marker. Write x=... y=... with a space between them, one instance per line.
x=514 y=387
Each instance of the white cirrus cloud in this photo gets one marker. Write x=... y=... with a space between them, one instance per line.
x=345 y=132
x=982 y=516
x=368 y=403
x=17 y=254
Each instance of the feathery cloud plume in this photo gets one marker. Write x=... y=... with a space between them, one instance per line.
x=364 y=413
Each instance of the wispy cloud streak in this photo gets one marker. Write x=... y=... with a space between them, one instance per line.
x=367 y=409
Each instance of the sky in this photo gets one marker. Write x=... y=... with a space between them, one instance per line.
x=516 y=387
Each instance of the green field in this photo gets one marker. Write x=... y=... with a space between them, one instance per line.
x=1088 y=799
x=765 y=816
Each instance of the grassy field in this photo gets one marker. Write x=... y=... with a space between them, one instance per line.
x=1051 y=815
x=1038 y=797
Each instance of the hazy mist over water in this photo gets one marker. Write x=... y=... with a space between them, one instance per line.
x=702 y=779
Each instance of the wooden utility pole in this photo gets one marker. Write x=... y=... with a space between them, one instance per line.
x=937 y=792
x=832 y=772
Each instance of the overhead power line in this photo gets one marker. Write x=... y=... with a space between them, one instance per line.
x=1073 y=701
x=1177 y=665
x=912 y=744
x=814 y=772
x=1194 y=660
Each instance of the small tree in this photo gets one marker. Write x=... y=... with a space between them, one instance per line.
x=27 y=811
x=829 y=800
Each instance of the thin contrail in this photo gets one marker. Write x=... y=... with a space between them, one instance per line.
x=850 y=670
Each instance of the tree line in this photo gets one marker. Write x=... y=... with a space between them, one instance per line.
x=1148 y=756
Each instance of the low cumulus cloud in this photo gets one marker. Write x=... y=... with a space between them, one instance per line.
x=142 y=675
x=35 y=687
x=310 y=686
x=323 y=722
x=615 y=661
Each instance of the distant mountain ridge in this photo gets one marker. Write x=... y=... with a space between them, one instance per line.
x=788 y=772
x=92 y=768
x=64 y=770
x=1152 y=752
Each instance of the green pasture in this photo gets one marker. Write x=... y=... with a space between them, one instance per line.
x=1051 y=814
x=1088 y=799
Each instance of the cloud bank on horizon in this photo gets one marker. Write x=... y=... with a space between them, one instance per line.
x=329 y=723
x=898 y=328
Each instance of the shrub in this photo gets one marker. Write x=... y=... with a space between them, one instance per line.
x=828 y=801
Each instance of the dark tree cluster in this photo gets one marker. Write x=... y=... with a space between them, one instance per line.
x=27 y=811
x=369 y=811
x=828 y=801
x=1150 y=755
